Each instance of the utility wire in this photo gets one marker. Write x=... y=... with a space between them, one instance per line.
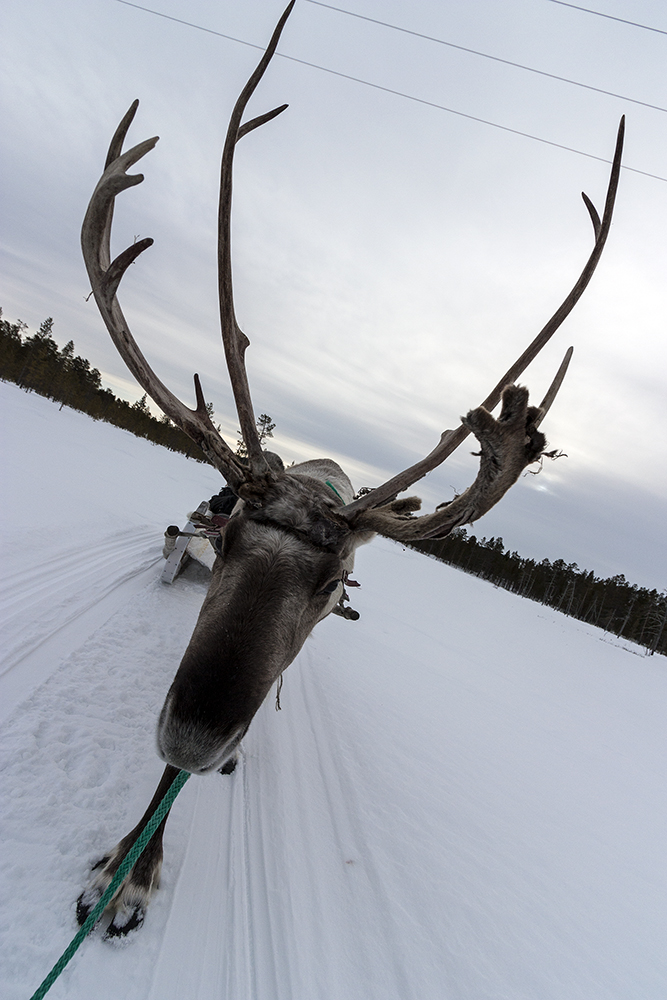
x=610 y=17
x=389 y=90
x=486 y=55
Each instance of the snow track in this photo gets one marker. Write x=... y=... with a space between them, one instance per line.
x=462 y=797
x=46 y=608
x=84 y=506
x=275 y=918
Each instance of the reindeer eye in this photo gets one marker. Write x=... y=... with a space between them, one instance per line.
x=330 y=587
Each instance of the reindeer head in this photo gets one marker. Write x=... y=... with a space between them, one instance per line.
x=280 y=571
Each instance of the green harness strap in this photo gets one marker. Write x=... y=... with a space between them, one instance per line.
x=332 y=487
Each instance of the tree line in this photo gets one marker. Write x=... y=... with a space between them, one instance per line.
x=614 y=604
x=37 y=364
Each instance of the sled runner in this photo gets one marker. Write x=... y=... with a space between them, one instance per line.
x=190 y=543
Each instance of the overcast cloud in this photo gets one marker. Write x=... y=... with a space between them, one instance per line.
x=391 y=259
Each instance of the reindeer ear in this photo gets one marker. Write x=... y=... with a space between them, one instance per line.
x=253 y=492
x=405 y=506
x=274 y=461
x=396 y=511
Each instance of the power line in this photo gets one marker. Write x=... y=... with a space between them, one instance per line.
x=487 y=55
x=199 y=27
x=610 y=17
x=389 y=90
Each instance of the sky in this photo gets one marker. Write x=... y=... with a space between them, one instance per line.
x=391 y=258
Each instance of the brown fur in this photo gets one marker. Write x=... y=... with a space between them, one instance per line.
x=267 y=593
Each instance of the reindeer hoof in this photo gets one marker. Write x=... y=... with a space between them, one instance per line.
x=126 y=911
x=124 y=922
x=348 y=613
x=229 y=766
x=86 y=903
x=125 y=919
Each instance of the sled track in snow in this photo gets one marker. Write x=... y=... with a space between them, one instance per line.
x=277 y=867
x=417 y=822
x=344 y=811
x=269 y=868
x=49 y=610
x=40 y=600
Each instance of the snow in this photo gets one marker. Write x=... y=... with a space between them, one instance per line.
x=462 y=797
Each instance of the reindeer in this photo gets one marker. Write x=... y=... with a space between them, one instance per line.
x=285 y=552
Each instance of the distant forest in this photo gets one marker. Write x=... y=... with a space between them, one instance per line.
x=613 y=605
x=37 y=364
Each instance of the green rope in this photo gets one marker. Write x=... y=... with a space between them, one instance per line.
x=126 y=864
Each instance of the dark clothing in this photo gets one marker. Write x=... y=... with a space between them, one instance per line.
x=223 y=502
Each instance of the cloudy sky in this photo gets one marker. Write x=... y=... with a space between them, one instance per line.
x=392 y=257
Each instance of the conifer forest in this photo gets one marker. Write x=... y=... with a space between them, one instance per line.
x=36 y=364
x=614 y=604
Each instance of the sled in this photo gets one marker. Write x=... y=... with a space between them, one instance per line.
x=183 y=545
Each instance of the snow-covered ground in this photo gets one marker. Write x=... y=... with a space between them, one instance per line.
x=464 y=795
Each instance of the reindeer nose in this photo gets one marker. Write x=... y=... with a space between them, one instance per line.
x=194 y=747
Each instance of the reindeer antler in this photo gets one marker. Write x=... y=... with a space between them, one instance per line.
x=508 y=444
x=234 y=340
x=377 y=511
x=105 y=276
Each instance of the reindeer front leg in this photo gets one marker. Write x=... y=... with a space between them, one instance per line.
x=128 y=907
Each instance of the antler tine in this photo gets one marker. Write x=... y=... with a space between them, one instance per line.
x=105 y=276
x=553 y=389
x=450 y=440
x=115 y=149
x=601 y=230
x=234 y=340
